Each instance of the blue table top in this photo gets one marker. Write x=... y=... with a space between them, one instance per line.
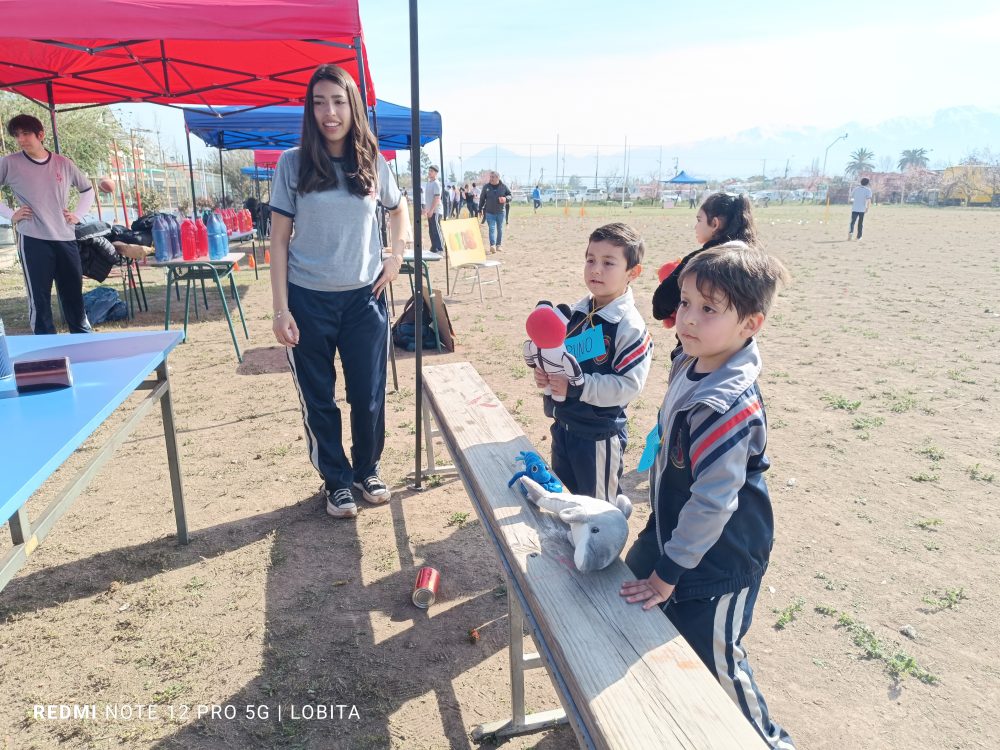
x=40 y=430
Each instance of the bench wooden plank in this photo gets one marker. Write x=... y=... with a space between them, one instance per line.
x=626 y=674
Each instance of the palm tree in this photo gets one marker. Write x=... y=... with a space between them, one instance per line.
x=913 y=158
x=861 y=161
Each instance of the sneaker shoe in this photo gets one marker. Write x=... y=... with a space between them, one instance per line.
x=340 y=503
x=850 y=236
x=373 y=490
x=499 y=248
x=493 y=249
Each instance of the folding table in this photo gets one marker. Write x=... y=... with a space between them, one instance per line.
x=42 y=429
x=201 y=269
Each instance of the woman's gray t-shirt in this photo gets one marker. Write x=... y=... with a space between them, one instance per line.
x=336 y=245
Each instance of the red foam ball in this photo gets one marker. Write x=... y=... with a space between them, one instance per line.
x=106 y=185
x=667 y=268
x=546 y=328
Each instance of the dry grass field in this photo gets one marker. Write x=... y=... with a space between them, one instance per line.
x=873 y=629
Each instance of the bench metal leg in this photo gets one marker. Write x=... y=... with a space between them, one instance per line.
x=520 y=662
x=430 y=432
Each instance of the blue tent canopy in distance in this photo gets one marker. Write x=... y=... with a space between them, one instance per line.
x=260 y=174
x=279 y=127
x=683 y=178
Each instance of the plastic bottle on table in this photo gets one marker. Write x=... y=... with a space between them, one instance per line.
x=176 y=251
x=215 y=247
x=201 y=238
x=161 y=239
x=189 y=240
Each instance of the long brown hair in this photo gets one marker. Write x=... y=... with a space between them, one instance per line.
x=316 y=172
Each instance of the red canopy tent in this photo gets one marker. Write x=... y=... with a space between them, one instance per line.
x=252 y=52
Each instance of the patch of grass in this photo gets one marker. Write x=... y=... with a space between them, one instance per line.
x=787 y=615
x=900 y=403
x=825 y=610
x=976 y=474
x=434 y=480
x=959 y=376
x=924 y=477
x=828 y=583
x=169 y=693
x=195 y=584
x=867 y=423
x=929 y=524
x=896 y=662
x=950 y=599
x=931 y=451
x=518 y=370
x=458 y=518
x=840 y=402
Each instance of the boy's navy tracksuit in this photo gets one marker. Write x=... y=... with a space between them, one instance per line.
x=589 y=434
x=712 y=528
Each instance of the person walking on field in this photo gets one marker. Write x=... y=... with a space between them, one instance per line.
x=492 y=203
x=861 y=201
x=433 y=209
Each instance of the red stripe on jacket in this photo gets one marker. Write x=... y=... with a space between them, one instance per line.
x=636 y=354
x=741 y=416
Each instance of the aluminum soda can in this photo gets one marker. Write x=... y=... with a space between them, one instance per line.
x=426 y=588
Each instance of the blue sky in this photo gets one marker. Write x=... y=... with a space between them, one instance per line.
x=668 y=73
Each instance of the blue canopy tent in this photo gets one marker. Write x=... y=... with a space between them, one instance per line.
x=258 y=174
x=683 y=178
x=281 y=127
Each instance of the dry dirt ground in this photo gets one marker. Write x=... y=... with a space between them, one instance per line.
x=881 y=378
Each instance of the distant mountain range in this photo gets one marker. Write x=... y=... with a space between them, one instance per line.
x=948 y=134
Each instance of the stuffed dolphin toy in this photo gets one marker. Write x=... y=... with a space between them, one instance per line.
x=598 y=529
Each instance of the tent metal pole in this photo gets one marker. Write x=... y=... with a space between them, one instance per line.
x=418 y=256
x=361 y=72
x=194 y=208
x=222 y=178
x=52 y=115
x=447 y=273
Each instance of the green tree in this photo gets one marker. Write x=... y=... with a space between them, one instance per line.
x=913 y=158
x=239 y=186
x=862 y=160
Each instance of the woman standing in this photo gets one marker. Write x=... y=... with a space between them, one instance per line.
x=327 y=282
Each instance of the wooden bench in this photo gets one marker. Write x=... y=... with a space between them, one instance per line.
x=625 y=678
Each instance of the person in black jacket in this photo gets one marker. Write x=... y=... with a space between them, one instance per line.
x=492 y=202
x=723 y=217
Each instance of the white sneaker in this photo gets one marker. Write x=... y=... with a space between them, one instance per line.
x=340 y=503
x=373 y=489
x=850 y=236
